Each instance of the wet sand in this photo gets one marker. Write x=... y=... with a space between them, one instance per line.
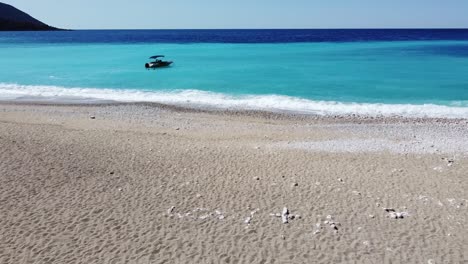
x=146 y=183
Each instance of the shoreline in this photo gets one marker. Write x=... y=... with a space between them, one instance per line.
x=205 y=100
x=150 y=183
x=267 y=114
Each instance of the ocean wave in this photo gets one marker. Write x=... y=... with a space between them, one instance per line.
x=197 y=98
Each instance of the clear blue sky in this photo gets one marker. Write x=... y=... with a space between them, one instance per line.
x=143 y=14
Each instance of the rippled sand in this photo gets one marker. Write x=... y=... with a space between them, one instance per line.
x=154 y=184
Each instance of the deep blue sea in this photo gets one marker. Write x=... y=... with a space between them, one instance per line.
x=369 y=72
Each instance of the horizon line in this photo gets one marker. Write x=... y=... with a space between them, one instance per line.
x=364 y=28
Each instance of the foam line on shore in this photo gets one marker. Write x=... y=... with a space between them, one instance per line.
x=197 y=98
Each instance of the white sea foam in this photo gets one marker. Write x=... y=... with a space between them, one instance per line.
x=218 y=100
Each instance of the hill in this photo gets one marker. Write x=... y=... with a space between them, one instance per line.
x=12 y=19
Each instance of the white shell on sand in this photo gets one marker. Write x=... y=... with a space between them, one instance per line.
x=247 y=220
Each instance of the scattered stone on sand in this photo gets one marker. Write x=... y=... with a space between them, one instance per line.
x=318 y=227
x=111 y=173
x=284 y=215
x=356 y=193
x=204 y=216
x=397 y=215
x=248 y=219
x=340 y=180
x=333 y=225
x=372 y=216
x=449 y=161
x=257 y=178
x=392 y=213
x=170 y=210
x=177 y=128
x=295 y=184
x=92 y=117
x=219 y=214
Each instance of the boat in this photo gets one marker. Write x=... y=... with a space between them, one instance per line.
x=157 y=63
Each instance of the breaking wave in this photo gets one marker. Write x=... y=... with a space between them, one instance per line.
x=197 y=98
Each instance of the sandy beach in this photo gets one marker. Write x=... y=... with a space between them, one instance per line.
x=147 y=183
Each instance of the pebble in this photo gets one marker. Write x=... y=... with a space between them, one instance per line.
x=170 y=210
x=295 y=184
x=257 y=178
x=340 y=180
x=92 y=117
x=284 y=215
x=372 y=216
x=204 y=216
x=247 y=220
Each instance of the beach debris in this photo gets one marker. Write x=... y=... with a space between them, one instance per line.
x=92 y=117
x=284 y=215
x=247 y=220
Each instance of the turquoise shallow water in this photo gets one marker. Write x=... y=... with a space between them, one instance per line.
x=421 y=78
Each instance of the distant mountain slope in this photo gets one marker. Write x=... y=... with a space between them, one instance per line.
x=12 y=18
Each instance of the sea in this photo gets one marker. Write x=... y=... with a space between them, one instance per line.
x=370 y=72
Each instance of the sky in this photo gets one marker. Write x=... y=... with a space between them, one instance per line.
x=197 y=14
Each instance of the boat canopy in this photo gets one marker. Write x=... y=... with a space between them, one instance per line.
x=156 y=56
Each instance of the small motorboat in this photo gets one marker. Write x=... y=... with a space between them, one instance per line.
x=157 y=63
